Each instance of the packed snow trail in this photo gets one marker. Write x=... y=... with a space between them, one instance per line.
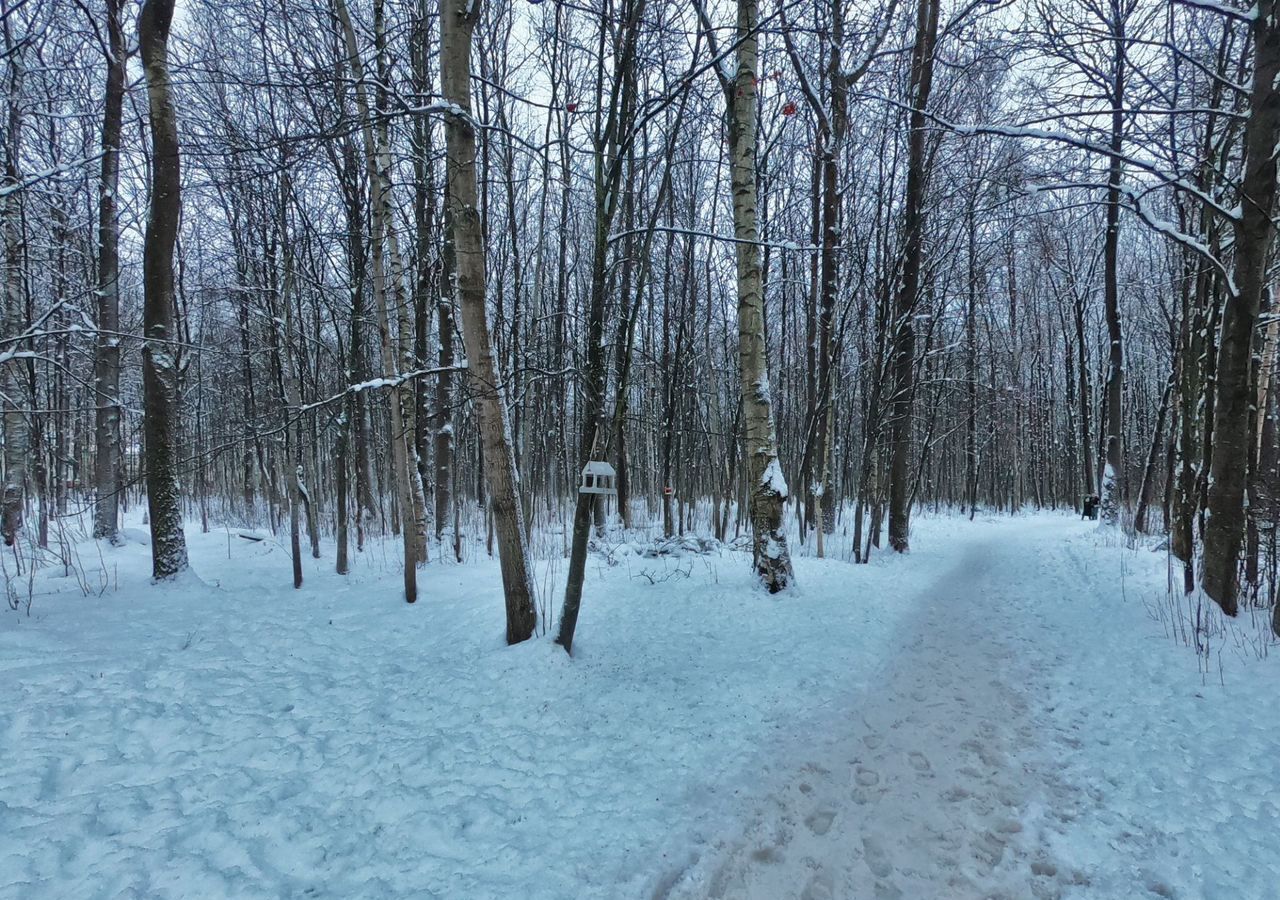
x=1017 y=745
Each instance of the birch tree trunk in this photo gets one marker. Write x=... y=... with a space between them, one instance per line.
x=415 y=513
x=159 y=359
x=106 y=362
x=378 y=165
x=457 y=20
x=767 y=488
x=1254 y=231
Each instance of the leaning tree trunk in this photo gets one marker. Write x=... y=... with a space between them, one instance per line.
x=608 y=165
x=106 y=351
x=159 y=360
x=1224 y=528
x=901 y=414
x=767 y=488
x=1153 y=457
x=457 y=20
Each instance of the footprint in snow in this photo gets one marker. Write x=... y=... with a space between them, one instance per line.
x=819 y=821
x=820 y=887
x=867 y=778
x=876 y=858
x=919 y=761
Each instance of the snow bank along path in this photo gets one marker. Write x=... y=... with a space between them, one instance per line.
x=984 y=718
x=1032 y=736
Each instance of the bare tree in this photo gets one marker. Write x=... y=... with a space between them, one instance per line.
x=457 y=21
x=378 y=166
x=106 y=373
x=767 y=490
x=16 y=434
x=160 y=347
x=1254 y=233
x=904 y=387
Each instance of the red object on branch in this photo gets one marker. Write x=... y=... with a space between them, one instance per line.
x=571 y=106
x=789 y=108
x=668 y=491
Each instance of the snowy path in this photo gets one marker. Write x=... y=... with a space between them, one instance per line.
x=993 y=716
x=1018 y=745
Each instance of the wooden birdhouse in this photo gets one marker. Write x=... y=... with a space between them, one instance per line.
x=598 y=478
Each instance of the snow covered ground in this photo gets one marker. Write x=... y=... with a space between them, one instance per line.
x=997 y=714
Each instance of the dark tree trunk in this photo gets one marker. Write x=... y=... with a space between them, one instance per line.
x=1224 y=528
x=159 y=352
x=106 y=374
x=609 y=165
x=1113 y=472
x=909 y=294
x=442 y=421
x=17 y=433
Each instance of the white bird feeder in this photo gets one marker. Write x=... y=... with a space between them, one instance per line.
x=598 y=478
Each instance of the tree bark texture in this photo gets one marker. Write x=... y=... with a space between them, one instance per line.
x=902 y=407
x=457 y=20
x=1225 y=522
x=159 y=351
x=767 y=488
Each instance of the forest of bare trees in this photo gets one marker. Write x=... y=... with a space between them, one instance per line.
x=351 y=269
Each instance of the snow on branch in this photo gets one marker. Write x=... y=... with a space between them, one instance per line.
x=44 y=175
x=787 y=246
x=1240 y=15
x=374 y=384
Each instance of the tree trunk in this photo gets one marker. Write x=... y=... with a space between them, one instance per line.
x=378 y=164
x=1224 y=528
x=17 y=436
x=442 y=421
x=909 y=295
x=608 y=165
x=456 y=23
x=1153 y=457
x=106 y=361
x=766 y=486
x=824 y=495
x=971 y=366
x=1113 y=470
x=159 y=353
